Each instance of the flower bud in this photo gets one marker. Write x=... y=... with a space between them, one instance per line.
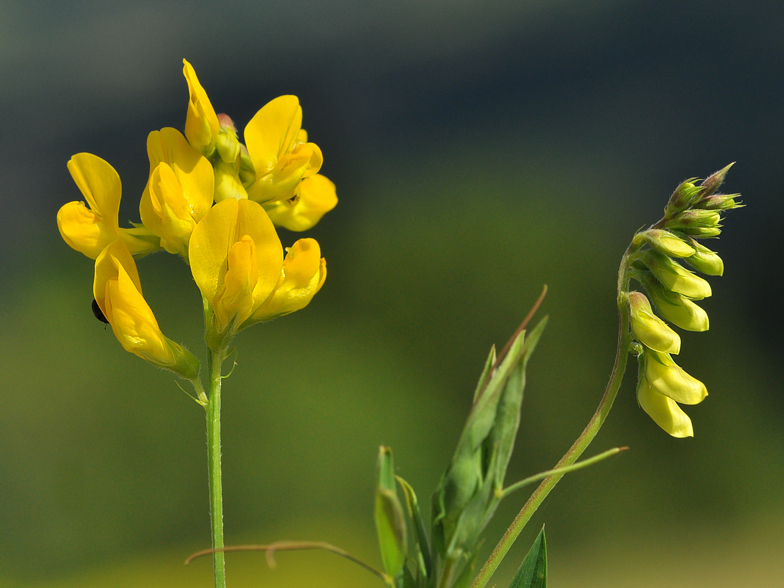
x=314 y=197
x=665 y=242
x=667 y=378
x=649 y=329
x=720 y=202
x=201 y=124
x=677 y=309
x=675 y=277
x=683 y=196
x=704 y=260
x=228 y=145
x=713 y=181
x=694 y=218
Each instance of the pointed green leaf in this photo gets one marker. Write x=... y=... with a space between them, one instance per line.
x=422 y=543
x=533 y=570
x=386 y=469
x=391 y=530
x=483 y=379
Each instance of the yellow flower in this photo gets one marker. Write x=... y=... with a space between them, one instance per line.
x=662 y=385
x=236 y=259
x=279 y=150
x=91 y=230
x=675 y=277
x=649 y=329
x=179 y=191
x=118 y=293
x=314 y=197
x=303 y=274
x=201 y=123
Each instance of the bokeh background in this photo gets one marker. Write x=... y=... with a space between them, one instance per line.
x=480 y=150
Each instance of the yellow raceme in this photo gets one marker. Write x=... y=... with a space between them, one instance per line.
x=313 y=198
x=117 y=290
x=91 y=230
x=303 y=274
x=236 y=259
x=179 y=192
x=201 y=123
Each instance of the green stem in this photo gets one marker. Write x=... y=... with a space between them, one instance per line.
x=582 y=442
x=214 y=462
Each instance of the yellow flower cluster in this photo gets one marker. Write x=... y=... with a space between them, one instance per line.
x=692 y=212
x=215 y=202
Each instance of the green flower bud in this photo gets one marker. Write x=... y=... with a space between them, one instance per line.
x=675 y=277
x=677 y=309
x=227 y=182
x=713 y=181
x=706 y=261
x=649 y=328
x=682 y=198
x=665 y=242
x=720 y=202
x=695 y=217
x=667 y=378
x=227 y=145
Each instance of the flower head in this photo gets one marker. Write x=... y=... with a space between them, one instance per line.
x=91 y=230
x=236 y=259
x=179 y=191
x=118 y=293
x=279 y=150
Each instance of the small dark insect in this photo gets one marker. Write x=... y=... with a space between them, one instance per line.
x=97 y=312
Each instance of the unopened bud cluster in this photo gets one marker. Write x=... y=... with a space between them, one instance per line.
x=693 y=212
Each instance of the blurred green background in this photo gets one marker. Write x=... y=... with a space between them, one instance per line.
x=480 y=150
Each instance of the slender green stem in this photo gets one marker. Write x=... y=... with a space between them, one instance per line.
x=214 y=461
x=582 y=442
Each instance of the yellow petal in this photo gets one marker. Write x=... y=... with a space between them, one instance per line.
x=100 y=185
x=133 y=322
x=315 y=196
x=83 y=230
x=234 y=303
x=669 y=379
x=201 y=124
x=664 y=411
x=270 y=134
x=115 y=255
x=304 y=272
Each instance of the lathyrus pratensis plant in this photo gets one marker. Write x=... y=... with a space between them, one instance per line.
x=215 y=202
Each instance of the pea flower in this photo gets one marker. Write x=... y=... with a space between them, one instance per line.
x=662 y=385
x=279 y=150
x=674 y=276
x=201 y=123
x=118 y=293
x=236 y=259
x=302 y=275
x=91 y=230
x=313 y=198
x=649 y=328
x=179 y=191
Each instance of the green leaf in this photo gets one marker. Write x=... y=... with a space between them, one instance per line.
x=422 y=543
x=391 y=530
x=390 y=521
x=533 y=570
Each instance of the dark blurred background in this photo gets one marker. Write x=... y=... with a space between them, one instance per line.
x=480 y=150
